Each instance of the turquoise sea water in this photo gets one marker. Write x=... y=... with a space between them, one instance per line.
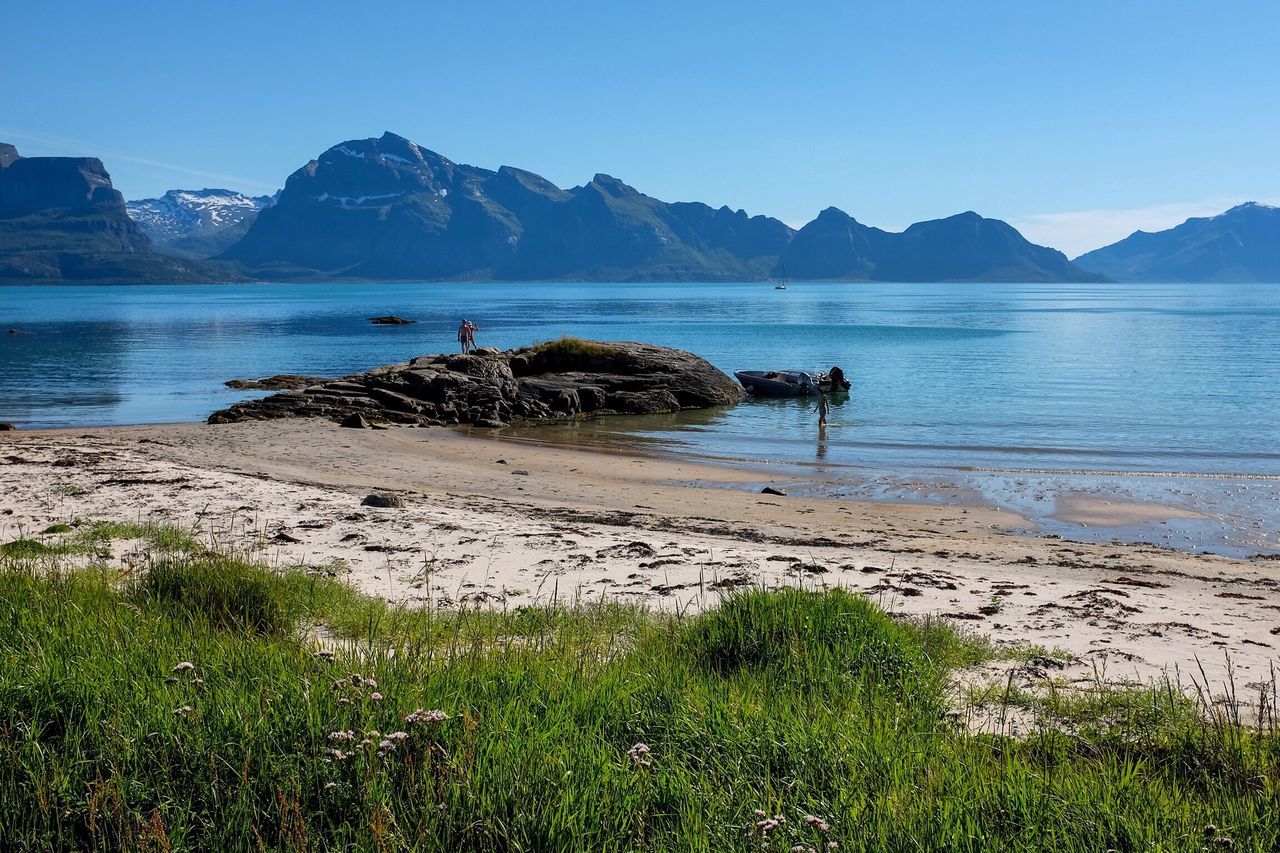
x=1164 y=379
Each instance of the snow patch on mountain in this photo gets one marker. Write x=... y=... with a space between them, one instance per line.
x=179 y=213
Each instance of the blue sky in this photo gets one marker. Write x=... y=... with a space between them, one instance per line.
x=1076 y=121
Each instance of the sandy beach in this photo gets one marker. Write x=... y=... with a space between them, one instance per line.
x=494 y=522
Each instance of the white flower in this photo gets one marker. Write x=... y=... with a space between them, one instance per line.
x=185 y=666
x=639 y=755
x=431 y=718
x=183 y=711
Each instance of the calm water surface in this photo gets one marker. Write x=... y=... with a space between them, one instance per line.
x=1171 y=379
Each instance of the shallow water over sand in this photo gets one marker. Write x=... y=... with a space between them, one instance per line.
x=948 y=379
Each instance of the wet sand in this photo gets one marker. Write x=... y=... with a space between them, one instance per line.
x=503 y=523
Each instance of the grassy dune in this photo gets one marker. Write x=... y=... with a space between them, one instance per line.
x=209 y=702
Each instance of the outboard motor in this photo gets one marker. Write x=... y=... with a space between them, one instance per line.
x=838 y=382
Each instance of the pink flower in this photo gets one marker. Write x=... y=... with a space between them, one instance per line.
x=639 y=755
x=429 y=718
x=817 y=823
x=377 y=697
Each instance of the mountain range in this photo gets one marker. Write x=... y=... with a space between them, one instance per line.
x=387 y=209
x=1240 y=245
x=197 y=223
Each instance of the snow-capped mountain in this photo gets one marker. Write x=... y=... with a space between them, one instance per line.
x=181 y=216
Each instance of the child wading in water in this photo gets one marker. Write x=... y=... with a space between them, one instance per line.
x=823 y=407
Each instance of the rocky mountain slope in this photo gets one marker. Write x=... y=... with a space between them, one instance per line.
x=198 y=223
x=61 y=220
x=1240 y=245
x=387 y=208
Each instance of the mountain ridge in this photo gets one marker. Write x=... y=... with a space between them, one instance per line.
x=196 y=223
x=386 y=207
x=1239 y=245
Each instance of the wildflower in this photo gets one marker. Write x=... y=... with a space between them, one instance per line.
x=342 y=703
x=833 y=845
x=377 y=697
x=342 y=737
x=329 y=786
x=817 y=823
x=386 y=746
x=639 y=755
x=185 y=666
x=365 y=742
x=169 y=679
x=183 y=711
x=768 y=824
x=759 y=812
x=430 y=718
x=397 y=736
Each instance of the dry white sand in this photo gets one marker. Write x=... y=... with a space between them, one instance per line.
x=504 y=523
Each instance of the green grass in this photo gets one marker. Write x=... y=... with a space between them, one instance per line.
x=791 y=702
x=569 y=347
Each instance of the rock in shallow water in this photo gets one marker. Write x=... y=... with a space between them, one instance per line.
x=556 y=381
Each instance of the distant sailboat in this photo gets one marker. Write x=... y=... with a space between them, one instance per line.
x=782 y=285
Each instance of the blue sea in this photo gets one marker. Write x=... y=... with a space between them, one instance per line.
x=1169 y=390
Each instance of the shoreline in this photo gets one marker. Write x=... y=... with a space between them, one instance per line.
x=504 y=523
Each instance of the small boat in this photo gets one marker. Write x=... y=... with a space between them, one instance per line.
x=780 y=287
x=791 y=383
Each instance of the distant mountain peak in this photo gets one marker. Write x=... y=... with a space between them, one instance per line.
x=1248 y=206
x=612 y=185
x=186 y=219
x=1239 y=245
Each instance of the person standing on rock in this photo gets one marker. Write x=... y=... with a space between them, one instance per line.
x=466 y=339
x=472 y=328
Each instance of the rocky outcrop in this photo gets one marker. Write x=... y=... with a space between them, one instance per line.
x=279 y=382
x=556 y=381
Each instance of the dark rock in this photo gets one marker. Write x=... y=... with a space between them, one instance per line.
x=519 y=472
x=384 y=500
x=391 y=320
x=5 y=426
x=493 y=389
x=279 y=382
x=770 y=490
x=285 y=537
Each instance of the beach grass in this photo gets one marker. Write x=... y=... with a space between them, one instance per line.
x=207 y=701
x=570 y=347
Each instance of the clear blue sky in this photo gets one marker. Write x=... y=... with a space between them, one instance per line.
x=1077 y=121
